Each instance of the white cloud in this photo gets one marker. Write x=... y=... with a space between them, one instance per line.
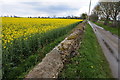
x=45 y=7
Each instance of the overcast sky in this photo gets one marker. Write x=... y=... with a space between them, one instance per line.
x=33 y=8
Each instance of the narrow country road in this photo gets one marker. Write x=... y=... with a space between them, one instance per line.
x=109 y=45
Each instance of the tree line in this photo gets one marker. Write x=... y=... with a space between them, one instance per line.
x=67 y=17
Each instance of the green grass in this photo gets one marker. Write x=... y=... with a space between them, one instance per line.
x=90 y=63
x=108 y=28
x=21 y=56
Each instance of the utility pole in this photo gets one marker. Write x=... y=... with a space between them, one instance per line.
x=89 y=10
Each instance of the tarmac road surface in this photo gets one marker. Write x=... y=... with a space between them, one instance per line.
x=109 y=45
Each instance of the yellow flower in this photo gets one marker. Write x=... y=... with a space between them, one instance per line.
x=4 y=46
x=8 y=41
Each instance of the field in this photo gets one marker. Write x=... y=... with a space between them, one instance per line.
x=25 y=41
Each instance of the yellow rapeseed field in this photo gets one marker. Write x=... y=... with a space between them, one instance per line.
x=13 y=28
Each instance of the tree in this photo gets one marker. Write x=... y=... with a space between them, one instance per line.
x=115 y=10
x=105 y=11
x=84 y=16
x=96 y=10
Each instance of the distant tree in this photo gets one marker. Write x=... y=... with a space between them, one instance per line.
x=68 y=17
x=84 y=16
x=48 y=17
x=38 y=16
x=14 y=16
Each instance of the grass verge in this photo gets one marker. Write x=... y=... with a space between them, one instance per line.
x=111 y=29
x=90 y=63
